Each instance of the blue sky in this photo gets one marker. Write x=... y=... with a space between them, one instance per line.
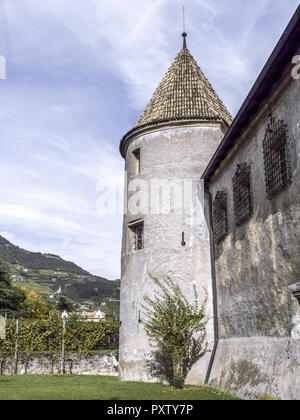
x=79 y=73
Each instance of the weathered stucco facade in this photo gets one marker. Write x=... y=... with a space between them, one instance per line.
x=257 y=268
x=255 y=265
x=173 y=156
x=165 y=226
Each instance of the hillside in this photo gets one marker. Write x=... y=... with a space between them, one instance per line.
x=50 y=276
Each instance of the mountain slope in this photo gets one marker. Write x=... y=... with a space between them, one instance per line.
x=49 y=275
x=35 y=260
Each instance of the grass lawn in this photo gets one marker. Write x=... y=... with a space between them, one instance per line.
x=35 y=387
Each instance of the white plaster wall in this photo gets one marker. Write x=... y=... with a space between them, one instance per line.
x=255 y=265
x=168 y=154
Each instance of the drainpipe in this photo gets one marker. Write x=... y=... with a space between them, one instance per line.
x=214 y=287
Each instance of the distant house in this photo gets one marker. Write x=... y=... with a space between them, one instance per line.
x=58 y=293
x=95 y=316
x=18 y=279
x=100 y=315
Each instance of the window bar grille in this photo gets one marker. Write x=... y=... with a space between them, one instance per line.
x=276 y=158
x=220 y=225
x=139 y=237
x=242 y=194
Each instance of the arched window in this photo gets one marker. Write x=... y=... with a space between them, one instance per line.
x=276 y=158
x=242 y=194
x=220 y=225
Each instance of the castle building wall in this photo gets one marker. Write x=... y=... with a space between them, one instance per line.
x=171 y=155
x=259 y=347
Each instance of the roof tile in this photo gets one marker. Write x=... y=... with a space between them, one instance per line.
x=184 y=93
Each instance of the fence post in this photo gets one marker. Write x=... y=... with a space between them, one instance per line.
x=62 y=362
x=16 y=349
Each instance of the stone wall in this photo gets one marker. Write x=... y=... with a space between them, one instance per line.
x=251 y=366
x=105 y=363
x=256 y=264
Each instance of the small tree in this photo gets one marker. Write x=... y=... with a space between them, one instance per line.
x=177 y=325
x=11 y=297
x=64 y=304
x=34 y=307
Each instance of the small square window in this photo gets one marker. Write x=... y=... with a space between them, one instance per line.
x=136 y=235
x=136 y=161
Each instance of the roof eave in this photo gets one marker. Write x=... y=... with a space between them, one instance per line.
x=157 y=125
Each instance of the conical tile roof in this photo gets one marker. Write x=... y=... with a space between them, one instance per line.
x=183 y=94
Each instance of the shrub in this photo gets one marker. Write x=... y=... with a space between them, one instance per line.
x=174 y=323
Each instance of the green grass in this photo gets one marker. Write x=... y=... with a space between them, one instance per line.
x=34 y=387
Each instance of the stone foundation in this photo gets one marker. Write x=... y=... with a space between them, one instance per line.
x=248 y=367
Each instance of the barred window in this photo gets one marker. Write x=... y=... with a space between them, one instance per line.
x=136 y=230
x=139 y=236
x=220 y=225
x=276 y=158
x=242 y=194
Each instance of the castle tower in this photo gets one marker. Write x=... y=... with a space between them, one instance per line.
x=165 y=226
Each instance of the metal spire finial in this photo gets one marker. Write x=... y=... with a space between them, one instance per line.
x=184 y=34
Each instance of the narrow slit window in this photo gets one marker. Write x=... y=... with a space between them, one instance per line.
x=136 y=161
x=220 y=224
x=136 y=236
x=242 y=194
x=276 y=158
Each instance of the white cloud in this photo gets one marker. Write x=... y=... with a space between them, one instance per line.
x=62 y=215
x=38 y=219
x=79 y=72
x=8 y=235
